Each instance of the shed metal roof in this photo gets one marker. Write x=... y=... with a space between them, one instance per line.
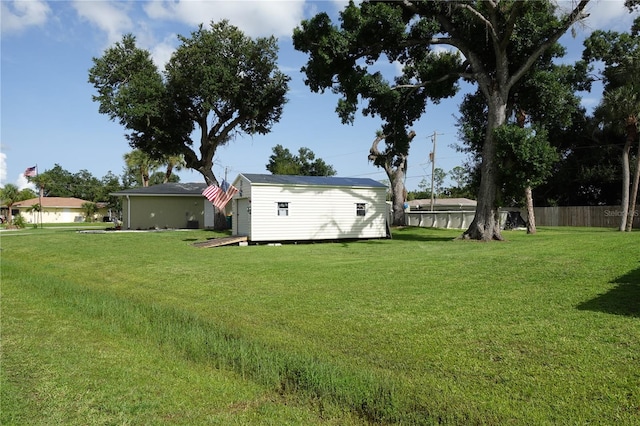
x=312 y=180
x=172 y=188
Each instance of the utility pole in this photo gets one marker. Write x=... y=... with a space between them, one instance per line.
x=432 y=156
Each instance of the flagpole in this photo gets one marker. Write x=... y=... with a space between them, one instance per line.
x=39 y=199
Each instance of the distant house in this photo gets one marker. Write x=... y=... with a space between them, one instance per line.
x=168 y=205
x=303 y=208
x=55 y=210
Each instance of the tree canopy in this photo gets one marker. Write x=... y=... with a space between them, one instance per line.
x=498 y=42
x=282 y=162
x=620 y=105
x=218 y=82
x=10 y=194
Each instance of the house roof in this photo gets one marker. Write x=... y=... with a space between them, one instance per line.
x=169 y=189
x=52 y=202
x=312 y=180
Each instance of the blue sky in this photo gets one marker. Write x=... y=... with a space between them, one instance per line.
x=48 y=117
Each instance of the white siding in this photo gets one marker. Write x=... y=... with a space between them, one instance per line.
x=241 y=223
x=316 y=213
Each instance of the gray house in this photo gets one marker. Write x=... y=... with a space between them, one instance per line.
x=168 y=205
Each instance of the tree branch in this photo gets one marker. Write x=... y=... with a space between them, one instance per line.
x=456 y=40
x=575 y=16
x=426 y=83
x=482 y=19
x=511 y=24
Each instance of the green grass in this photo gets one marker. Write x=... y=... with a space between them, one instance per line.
x=143 y=328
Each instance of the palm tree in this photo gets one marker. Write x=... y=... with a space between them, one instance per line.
x=10 y=195
x=621 y=108
x=140 y=164
x=631 y=74
x=173 y=162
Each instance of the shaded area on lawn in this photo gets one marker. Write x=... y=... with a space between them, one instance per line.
x=434 y=234
x=623 y=299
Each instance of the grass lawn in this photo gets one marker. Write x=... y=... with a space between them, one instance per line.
x=143 y=328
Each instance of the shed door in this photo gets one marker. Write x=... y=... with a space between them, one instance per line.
x=243 y=217
x=209 y=214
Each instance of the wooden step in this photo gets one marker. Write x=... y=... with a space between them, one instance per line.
x=224 y=241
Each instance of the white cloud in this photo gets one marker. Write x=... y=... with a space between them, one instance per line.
x=609 y=15
x=111 y=17
x=254 y=17
x=23 y=183
x=3 y=168
x=18 y=15
x=161 y=52
x=603 y=15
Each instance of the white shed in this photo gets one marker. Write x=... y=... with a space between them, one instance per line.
x=303 y=208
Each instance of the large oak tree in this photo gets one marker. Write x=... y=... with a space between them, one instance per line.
x=482 y=31
x=218 y=83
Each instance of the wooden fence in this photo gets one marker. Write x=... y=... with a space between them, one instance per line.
x=598 y=216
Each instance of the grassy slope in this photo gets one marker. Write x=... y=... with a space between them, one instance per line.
x=123 y=327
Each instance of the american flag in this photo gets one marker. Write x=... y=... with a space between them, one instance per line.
x=30 y=171
x=218 y=196
x=211 y=192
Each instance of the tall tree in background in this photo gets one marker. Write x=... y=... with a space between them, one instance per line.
x=342 y=59
x=141 y=165
x=394 y=163
x=55 y=182
x=145 y=170
x=218 y=81
x=439 y=175
x=459 y=175
x=546 y=100
x=620 y=106
x=542 y=103
x=527 y=159
x=174 y=163
x=483 y=31
x=58 y=182
x=110 y=183
x=282 y=162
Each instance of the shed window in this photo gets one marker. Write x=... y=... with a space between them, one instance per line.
x=361 y=209
x=283 y=209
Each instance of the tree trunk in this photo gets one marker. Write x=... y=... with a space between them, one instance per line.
x=168 y=173
x=219 y=217
x=486 y=223
x=396 y=168
x=531 y=217
x=219 y=220
x=625 y=185
x=634 y=195
x=398 y=196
